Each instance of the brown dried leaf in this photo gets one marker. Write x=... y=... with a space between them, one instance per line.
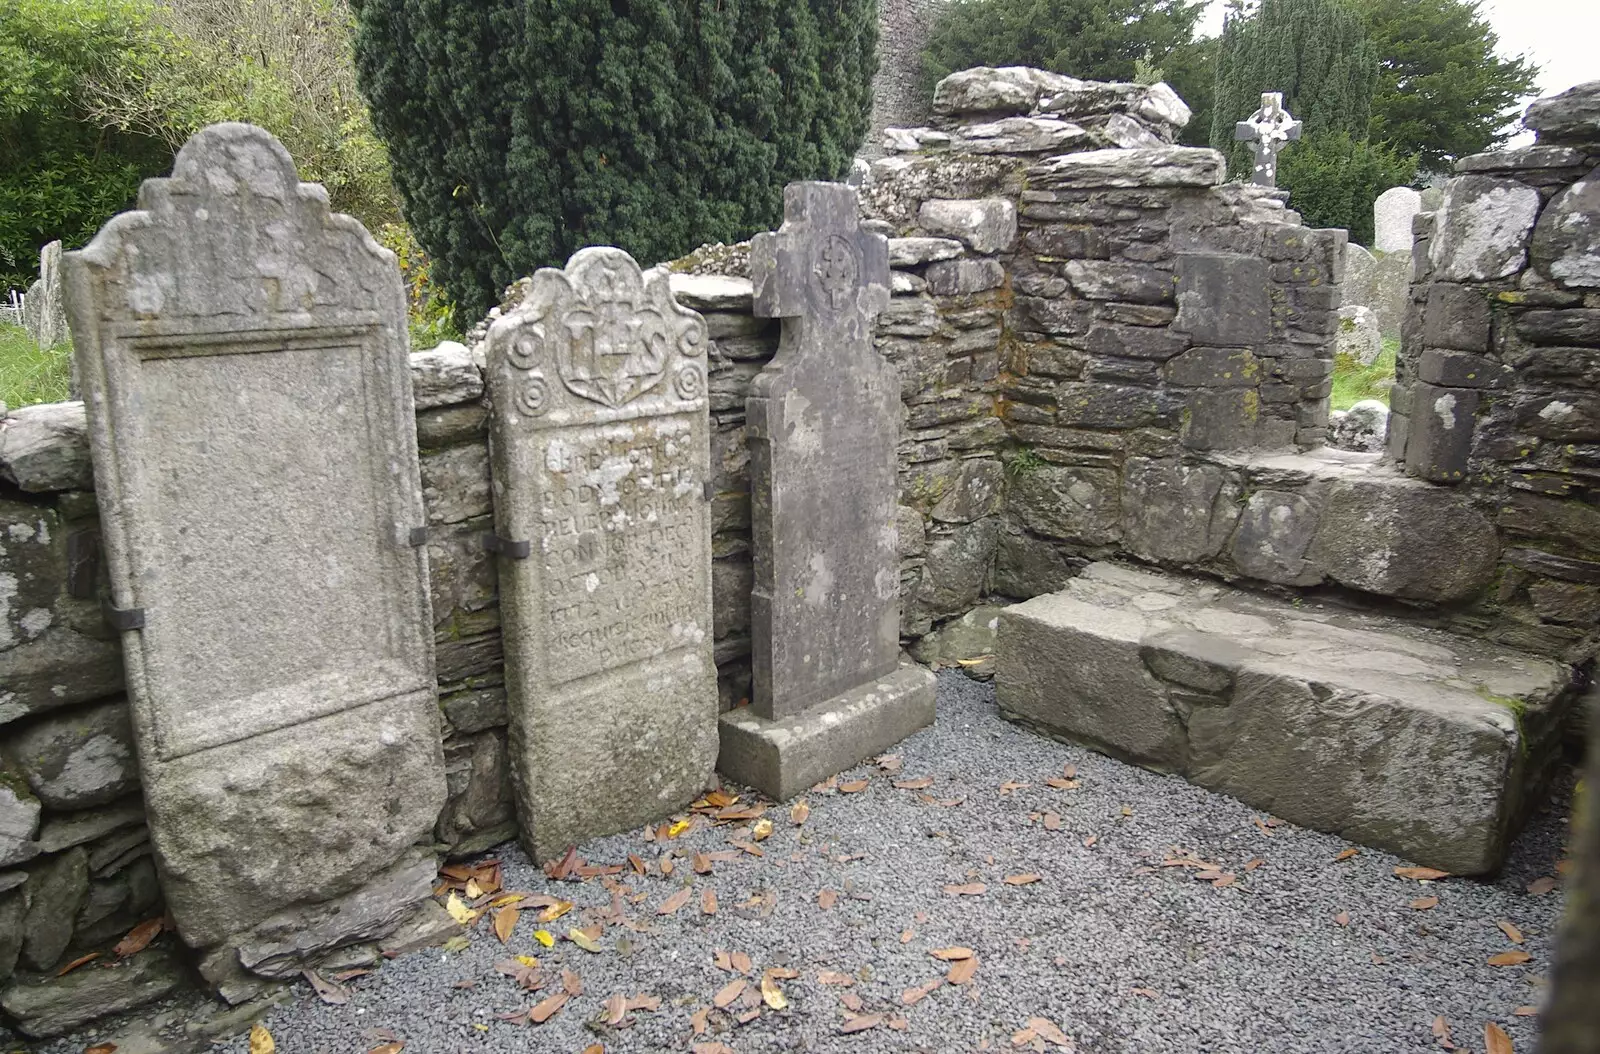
x=138 y=938
x=505 y=920
x=920 y=783
x=1343 y=918
x=1049 y=1032
x=913 y=996
x=676 y=901
x=701 y=864
x=1052 y=821
x=835 y=977
x=1023 y=1037
x=1441 y=1032
x=1525 y=1011
x=100 y=1048
x=731 y=991
x=799 y=812
x=327 y=991
x=616 y=1007
x=954 y=954
x=853 y=787
x=547 y=1008
x=1424 y=904
x=642 y=1001
x=861 y=1023
x=961 y=971
x=1062 y=784
x=1088 y=843
x=1012 y=785
x=637 y=863
x=741 y=962
x=1511 y=958
x=969 y=889
x=1147 y=993
x=388 y=1048
x=708 y=901
x=1421 y=874
x=1540 y=886
x=1227 y=879
x=827 y=899
x=1508 y=928
x=711 y=1048
x=571 y=983
x=79 y=961
x=700 y=1020
x=1023 y=880
x=1253 y=863
x=1495 y=1039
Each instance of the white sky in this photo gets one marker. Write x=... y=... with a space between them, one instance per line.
x=1563 y=36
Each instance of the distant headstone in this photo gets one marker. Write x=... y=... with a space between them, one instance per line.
x=1391 y=219
x=1391 y=284
x=243 y=355
x=1360 y=276
x=1268 y=131
x=601 y=456
x=823 y=423
x=43 y=314
x=1359 y=336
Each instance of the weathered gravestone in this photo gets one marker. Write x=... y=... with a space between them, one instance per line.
x=1391 y=219
x=1268 y=131
x=601 y=455
x=243 y=354
x=823 y=422
x=43 y=315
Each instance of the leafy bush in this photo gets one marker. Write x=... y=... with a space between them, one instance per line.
x=522 y=130
x=426 y=306
x=1334 y=179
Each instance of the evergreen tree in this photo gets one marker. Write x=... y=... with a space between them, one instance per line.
x=1333 y=179
x=1443 y=92
x=522 y=130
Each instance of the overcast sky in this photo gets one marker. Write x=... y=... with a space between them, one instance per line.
x=1563 y=36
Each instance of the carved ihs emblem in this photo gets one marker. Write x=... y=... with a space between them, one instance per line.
x=616 y=347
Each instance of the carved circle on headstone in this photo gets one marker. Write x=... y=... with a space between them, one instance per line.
x=837 y=269
x=533 y=398
x=526 y=350
x=688 y=383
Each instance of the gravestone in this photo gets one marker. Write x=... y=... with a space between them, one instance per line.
x=1391 y=219
x=243 y=356
x=823 y=420
x=601 y=455
x=43 y=315
x=1268 y=131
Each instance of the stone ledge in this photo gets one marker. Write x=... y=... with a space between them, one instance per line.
x=781 y=758
x=1428 y=745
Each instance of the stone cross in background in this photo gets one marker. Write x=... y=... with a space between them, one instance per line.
x=601 y=454
x=823 y=423
x=243 y=357
x=1267 y=131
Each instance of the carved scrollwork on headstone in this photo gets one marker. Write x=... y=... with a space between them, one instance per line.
x=837 y=270
x=689 y=383
x=533 y=397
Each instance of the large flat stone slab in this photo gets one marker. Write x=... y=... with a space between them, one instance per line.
x=243 y=357
x=601 y=460
x=1411 y=740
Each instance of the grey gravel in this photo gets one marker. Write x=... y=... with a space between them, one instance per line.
x=1123 y=954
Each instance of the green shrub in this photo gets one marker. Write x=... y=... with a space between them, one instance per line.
x=28 y=374
x=1333 y=180
x=522 y=130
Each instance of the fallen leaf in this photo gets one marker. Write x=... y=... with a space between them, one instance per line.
x=861 y=1023
x=1495 y=1039
x=799 y=812
x=459 y=911
x=741 y=962
x=139 y=938
x=677 y=828
x=616 y=1008
x=458 y=943
x=1513 y=934
x=637 y=863
x=1424 y=903
x=913 y=996
x=1088 y=843
x=708 y=901
x=1127 y=810
x=545 y=937
x=651 y=1003
x=571 y=983
x=731 y=991
x=1343 y=918
x=583 y=940
x=762 y=830
x=1511 y=958
x=1012 y=785
x=327 y=991
x=388 y=1048
x=954 y=954
x=889 y=763
x=79 y=961
x=853 y=787
x=555 y=910
x=676 y=901
x=1024 y=1037
x=1346 y=855
x=1525 y=1011
x=505 y=920
x=1048 y=1030
x=1062 y=784
x=826 y=899
x=1540 y=886
x=700 y=1020
x=547 y=1008
x=711 y=1048
x=835 y=977
x=970 y=889
x=100 y=1048
x=920 y=783
x=594 y=1048
x=1441 y=1032
x=1421 y=874
x=1022 y=880
x=261 y=1040
x=1148 y=993
x=1225 y=880
x=1253 y=863
x=1052 y=821
x=665 y=863
x=961 y=971
x=701 y=864
x=771 y=994
x=897 y=1022
x=749 y=1015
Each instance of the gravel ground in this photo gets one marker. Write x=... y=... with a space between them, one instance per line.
x=1301 y=953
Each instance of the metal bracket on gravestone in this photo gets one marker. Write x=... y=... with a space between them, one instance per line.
x=417 y=537
x=121 y=619
x=493 y=543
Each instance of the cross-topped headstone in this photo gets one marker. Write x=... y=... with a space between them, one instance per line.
x=1267 y=131
x=823 y=425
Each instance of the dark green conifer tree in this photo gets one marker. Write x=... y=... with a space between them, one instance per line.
x=522 y=130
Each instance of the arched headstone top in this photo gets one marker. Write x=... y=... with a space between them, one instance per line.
x=1391 y=219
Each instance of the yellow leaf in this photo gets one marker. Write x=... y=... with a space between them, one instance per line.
x=509 y=898
x=555 y=911
x=677 y=828
x=480 y=1026
x=458 y=943
x=459 y=911
x=761 y=830
x=474 y=891
x=261 y=1040
x=799 y=812
x=545 y=938
x=529 y=961
x=1512 y=958
x=583 y=940
x=771 y=994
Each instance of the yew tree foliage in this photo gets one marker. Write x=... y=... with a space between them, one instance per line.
x=522 y=130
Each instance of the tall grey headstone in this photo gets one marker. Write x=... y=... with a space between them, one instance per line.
x=601 y=455
x=243 y=355
x=44 y=317
x=823 y=420
x=1391 y=219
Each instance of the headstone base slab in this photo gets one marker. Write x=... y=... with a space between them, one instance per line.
x=780 y=758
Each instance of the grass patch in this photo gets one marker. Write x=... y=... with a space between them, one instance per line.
x=1353 y=382
x=29 y=375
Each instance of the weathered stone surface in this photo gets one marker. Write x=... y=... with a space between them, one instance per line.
x=1580 y=326
x=79 y=758
x=1359 y=336
x=956 y=565
x=46 y=447
x=1169 y=166
x=961 y=277
x=910 y=140
x=966 y=642
x=13 y=911
x=1207 y=367
x=65 y=831
x=1461 y=369
x=1155 y=104
x=1483 y=229
x=975 y=491
x=1105 y=280
x=1574 y=115
x=1456 y=316
x=1090 y=405
x=1019 y=135
x=1062 y=501
x=1522 y=158
x=56 y=888
x=1388 y=736
x=1440 y=441
x=823 y=425
x=699 y=292
x=914 y=252
x=52 y=1006
x=1174 y=512
x=19 y=820
x=1406 y=539
x=1026 y=565
x=444 y=375
x=1223 y=299
x=1274 y=532
x=1363 y=427
x=295 y=507
x=1566 y=240
x=601 y=462
x=987 y=225
x=1391 y=219
x=62 y=666
x=1392 y=285
x=985 y=89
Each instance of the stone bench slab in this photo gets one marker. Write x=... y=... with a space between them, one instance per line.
x=1412 y=740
